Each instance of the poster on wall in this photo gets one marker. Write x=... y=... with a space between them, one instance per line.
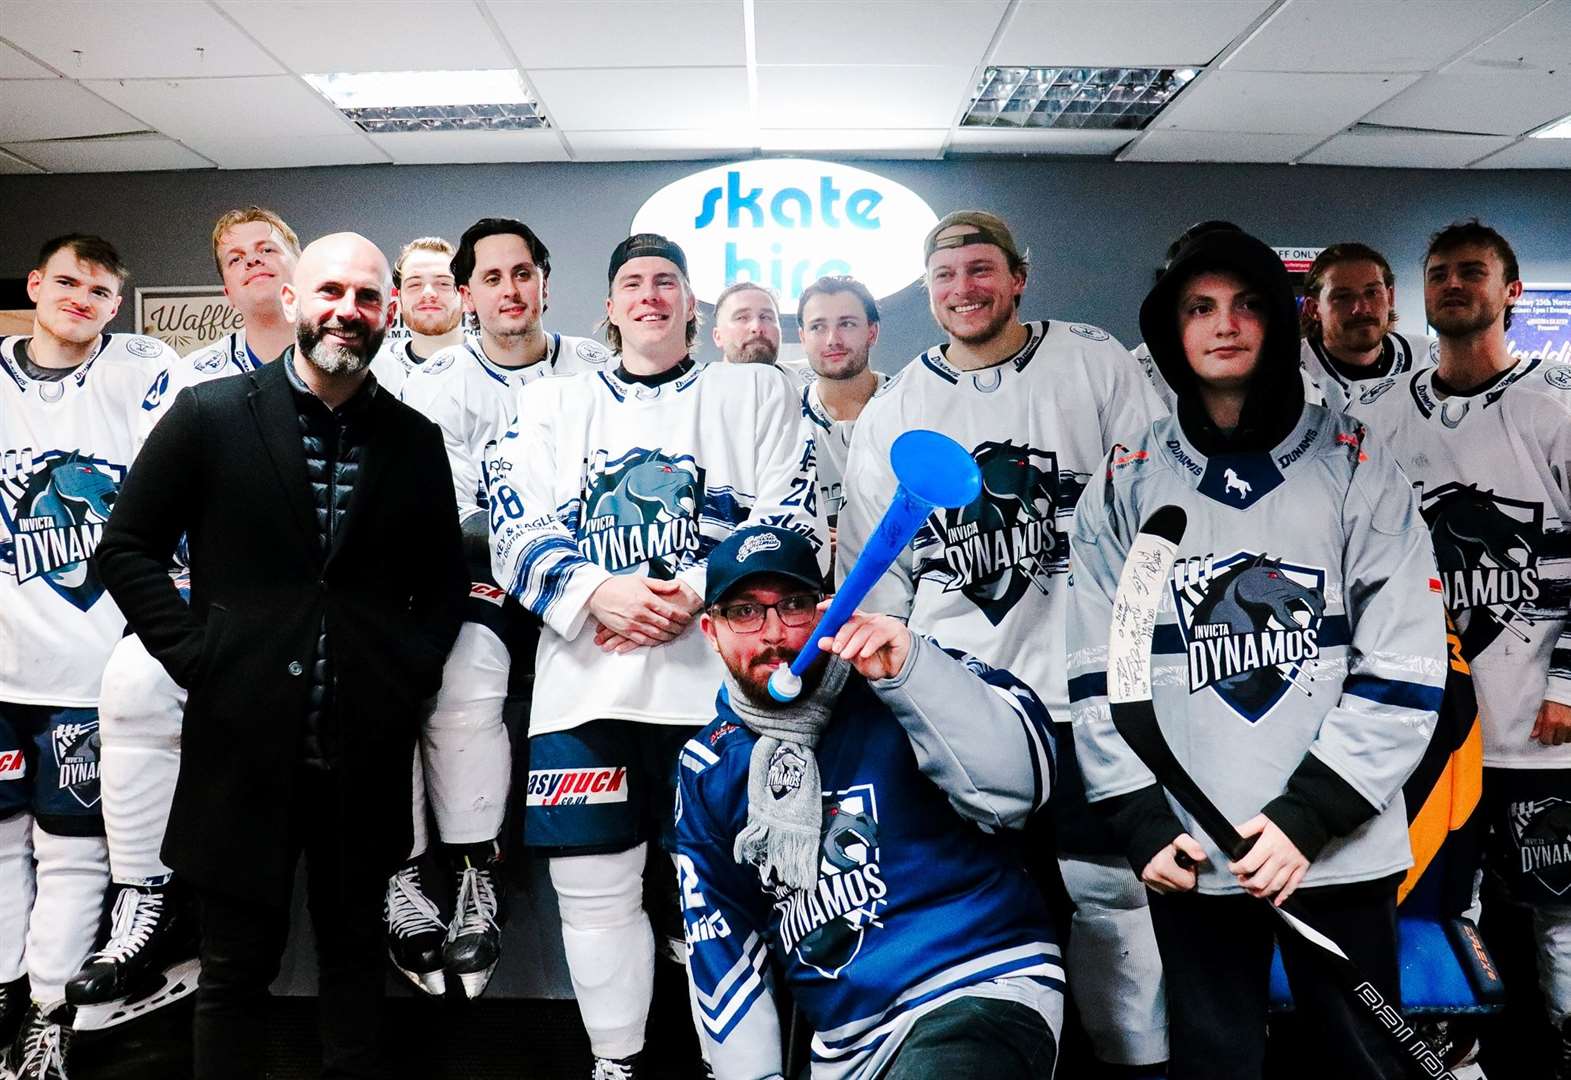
x=185 y=317
x=1541 y=323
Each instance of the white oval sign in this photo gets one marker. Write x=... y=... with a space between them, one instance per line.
x=786 y=222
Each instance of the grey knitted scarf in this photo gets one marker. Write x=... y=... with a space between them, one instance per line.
x=784 y=794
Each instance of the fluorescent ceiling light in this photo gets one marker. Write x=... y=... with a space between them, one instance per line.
x=1052 y=97
x=1560 y=129
x=386 y=101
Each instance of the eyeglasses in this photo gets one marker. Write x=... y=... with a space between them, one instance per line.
x=747 y=617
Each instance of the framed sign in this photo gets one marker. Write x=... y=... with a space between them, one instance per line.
x=185 y=317
x=1541 y=322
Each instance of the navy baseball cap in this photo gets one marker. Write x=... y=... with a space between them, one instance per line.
x=760 y=549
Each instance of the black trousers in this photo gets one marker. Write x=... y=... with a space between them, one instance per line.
x=976 y=1037
x=1216 y=951
x=243 y=942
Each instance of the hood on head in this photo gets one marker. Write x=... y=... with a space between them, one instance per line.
x=1276 y=394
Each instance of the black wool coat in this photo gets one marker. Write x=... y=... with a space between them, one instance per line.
x=225 y=468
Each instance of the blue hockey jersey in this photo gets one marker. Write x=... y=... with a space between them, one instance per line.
x=922 y=895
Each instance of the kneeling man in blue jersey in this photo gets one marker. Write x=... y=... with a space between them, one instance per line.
x=868 y=833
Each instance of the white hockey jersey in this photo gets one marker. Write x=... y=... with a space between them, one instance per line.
x=229 y=355
x=604 y=476
x=65 y=446
x=474 y=401
x=833 y=441
x=395 y=361
x=1400 y=354
x=990 y=577
x=1491 y=469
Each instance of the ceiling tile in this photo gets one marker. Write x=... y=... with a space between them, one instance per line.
x=290 y=151
x=1237 y=146
x=901 y=31
x=131 y=154
x=1371 y=35
x=10 y=164
x=93 y=39
x=195 y=109
x=13 y=65
x=663 y=98
x=1123 y=33
x=861 y=97
x=443 y=147
x=387 y=35
x=57 y=109
x=1492 y=102
x=1281 y=102
x=1402 y=151
x=1037 y=141
x=1542 y=41
x=622 y=33
x=659 y=145
x=1531 y=154
x=909 y=143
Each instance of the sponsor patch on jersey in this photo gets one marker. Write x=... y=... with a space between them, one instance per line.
x=1435 y=586
x=481 y=590
x=1368 y=395
x=145 y=347
x=1090 y=333
x=13 y=765
x=155 y=393
x=55 y=508
x=441 y=362
x=753 y=545
x=1250 y=625
x=827 y=923
x=721 y=732
x=591 y=353
x=1559 y=376
x=76 y=750
x=576 y=787
x=209 y=361
x=1124 y=457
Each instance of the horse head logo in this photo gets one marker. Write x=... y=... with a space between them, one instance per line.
x=655 y=489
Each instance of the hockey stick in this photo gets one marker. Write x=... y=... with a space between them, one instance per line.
x=1135 y=607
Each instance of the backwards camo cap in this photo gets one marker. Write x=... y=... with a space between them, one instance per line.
x=638 y=246
x=990 y=229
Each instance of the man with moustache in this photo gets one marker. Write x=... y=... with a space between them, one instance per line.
x=429 y=306
x=327 y=584
x=606 y=499
x=140 y=709
x=1038 y=404
x=747 y=328
x=470 y=391
x=1351 y=343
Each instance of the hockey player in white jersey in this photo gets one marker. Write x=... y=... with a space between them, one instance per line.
x=429 y=306
x=1297 y=667
x=1485 y=438
x=471 y=391
x=141 y=706
x=909 y=933
x=1038 y=404
x=1351 y=343
x=838 y=318
x=71 y=402
x=606 y=499
x=747 y=328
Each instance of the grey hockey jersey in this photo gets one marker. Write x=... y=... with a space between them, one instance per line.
x=1303 y=615
x=1491 y=469
x=990 y=578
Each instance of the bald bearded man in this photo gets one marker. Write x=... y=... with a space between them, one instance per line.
x=327 y=583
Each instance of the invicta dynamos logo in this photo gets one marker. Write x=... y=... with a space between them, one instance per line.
x=643 y=508
x=76 y=750
x=826 y=924
x=1541 y=829
x=1251 y=624
x=55 y=506
x=1007 y=541
x=1488 y=548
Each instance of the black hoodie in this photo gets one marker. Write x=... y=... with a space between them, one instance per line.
x=1276 y=393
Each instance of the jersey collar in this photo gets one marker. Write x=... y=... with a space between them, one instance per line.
x=990 y=378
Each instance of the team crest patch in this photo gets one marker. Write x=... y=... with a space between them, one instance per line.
x=440 y=362
x=1541 y=835
x=55 y=507
x=1559 y=376
x=786 y=769
x=590 y=353
x=1090 y=333
x=758 y=543
x=209 y=361
x=76 y=750
x=1368 y=395
x=1250 y=626
x=825 y=925
x=1008 y=540
x=643 y=509
x=145 y=347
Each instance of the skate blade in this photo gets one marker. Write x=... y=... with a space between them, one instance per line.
x=430 y=982
x=473 y=983
x=163 y=988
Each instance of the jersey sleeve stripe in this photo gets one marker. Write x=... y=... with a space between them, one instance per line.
x=1406 y=695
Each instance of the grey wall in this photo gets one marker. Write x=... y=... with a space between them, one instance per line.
x=1095 y=229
